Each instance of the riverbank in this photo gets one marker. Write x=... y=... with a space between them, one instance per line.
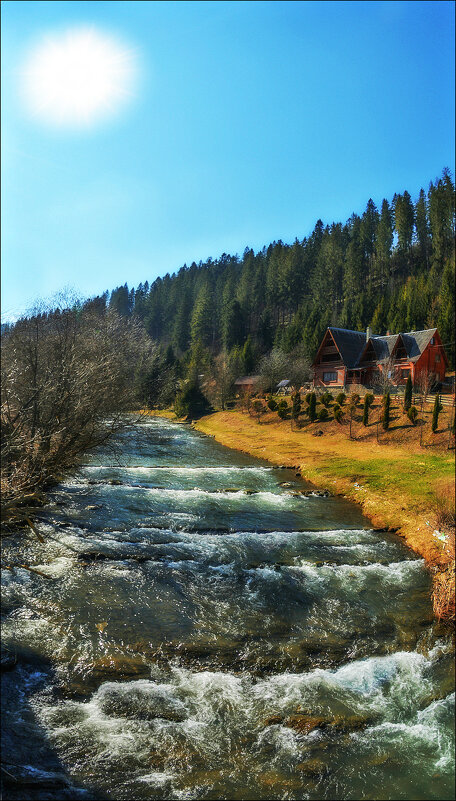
x=400 y=487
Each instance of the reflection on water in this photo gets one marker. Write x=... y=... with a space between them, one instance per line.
x=217 y=633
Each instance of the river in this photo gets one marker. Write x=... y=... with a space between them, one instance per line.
x=210 y=630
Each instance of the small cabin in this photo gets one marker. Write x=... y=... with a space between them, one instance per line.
x=246 y=384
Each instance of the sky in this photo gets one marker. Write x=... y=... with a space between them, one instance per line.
x=139 y=136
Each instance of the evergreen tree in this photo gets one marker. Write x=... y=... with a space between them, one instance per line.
x=422 y=228
x=232 y=325
x=248 y=356
x=201 y=325
x=384 y=243
x=404 y=218
x=366 y=407
x=408 y=393
x=312 y=408
x=296 y=405
x=435 y=413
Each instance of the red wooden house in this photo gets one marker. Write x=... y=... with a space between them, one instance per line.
x=352 y=357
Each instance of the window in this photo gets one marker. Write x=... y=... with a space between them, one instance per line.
x=432 y=340
x=330 y=376
x=437 y=358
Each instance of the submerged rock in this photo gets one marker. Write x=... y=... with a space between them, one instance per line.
x=313 y=767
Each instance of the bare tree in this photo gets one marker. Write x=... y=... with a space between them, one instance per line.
x=277 y=366
x=67 y=379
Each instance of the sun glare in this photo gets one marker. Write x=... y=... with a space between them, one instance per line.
x=78 y=78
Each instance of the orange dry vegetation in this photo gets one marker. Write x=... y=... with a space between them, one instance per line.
x=399 y=485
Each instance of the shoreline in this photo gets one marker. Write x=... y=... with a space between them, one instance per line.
x=345 y=468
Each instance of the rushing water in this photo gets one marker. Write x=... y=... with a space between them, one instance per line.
x=210 y=631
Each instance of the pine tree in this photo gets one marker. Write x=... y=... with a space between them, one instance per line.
x=404 y=218
x=312 y=409
x=248 y=356
x=435 y=413
x=296 y=407
x=201 y=325
x=422 y=227
x=408 y=393
x=386 y=411
x=384 y=242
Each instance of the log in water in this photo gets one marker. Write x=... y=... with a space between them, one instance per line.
x=210 y=631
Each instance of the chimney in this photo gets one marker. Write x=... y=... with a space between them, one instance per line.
x=368 y=332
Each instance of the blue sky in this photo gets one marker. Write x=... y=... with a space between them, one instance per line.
x=249 y=121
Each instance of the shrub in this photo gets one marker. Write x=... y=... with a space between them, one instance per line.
x=326 y=398
x=338 y=413
x=282 y=409
x=308 y=396
x=323 y=414
x=369 y=398
x=272 y=404
x=412 y=414
x=435 y=413
x=386 y=411
x=258 y=408
x=340 y=398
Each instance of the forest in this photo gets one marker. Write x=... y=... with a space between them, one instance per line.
x=390 y=268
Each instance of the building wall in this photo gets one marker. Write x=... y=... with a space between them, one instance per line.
x=430 y=363
x=320 y=370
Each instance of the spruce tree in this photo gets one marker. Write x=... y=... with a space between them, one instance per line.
x=312 y=410
x=296 y=407
x=408 y=394
x=248 y=356
x=435 y=413
x=366 y=410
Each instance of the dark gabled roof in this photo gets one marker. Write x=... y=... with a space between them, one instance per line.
x=353 y=344
x=349 y=344
x=416 y=342
x=384 y=346
x=247 y=379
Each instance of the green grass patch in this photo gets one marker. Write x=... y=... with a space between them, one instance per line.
x=413 y=475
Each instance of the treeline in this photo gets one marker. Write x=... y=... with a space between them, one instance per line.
x=391 y=268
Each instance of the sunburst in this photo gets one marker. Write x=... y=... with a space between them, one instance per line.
x=78 y=78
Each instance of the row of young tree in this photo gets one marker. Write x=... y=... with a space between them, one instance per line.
x=391 y=268
x=343 y=407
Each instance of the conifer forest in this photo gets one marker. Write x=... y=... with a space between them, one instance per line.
x=390 y=268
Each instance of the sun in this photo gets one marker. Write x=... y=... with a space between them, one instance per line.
x=78 y=78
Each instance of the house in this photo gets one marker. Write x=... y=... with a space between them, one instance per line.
x=353 y=357
x=246 y=384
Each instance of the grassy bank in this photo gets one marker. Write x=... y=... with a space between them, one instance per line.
x=399 y=485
